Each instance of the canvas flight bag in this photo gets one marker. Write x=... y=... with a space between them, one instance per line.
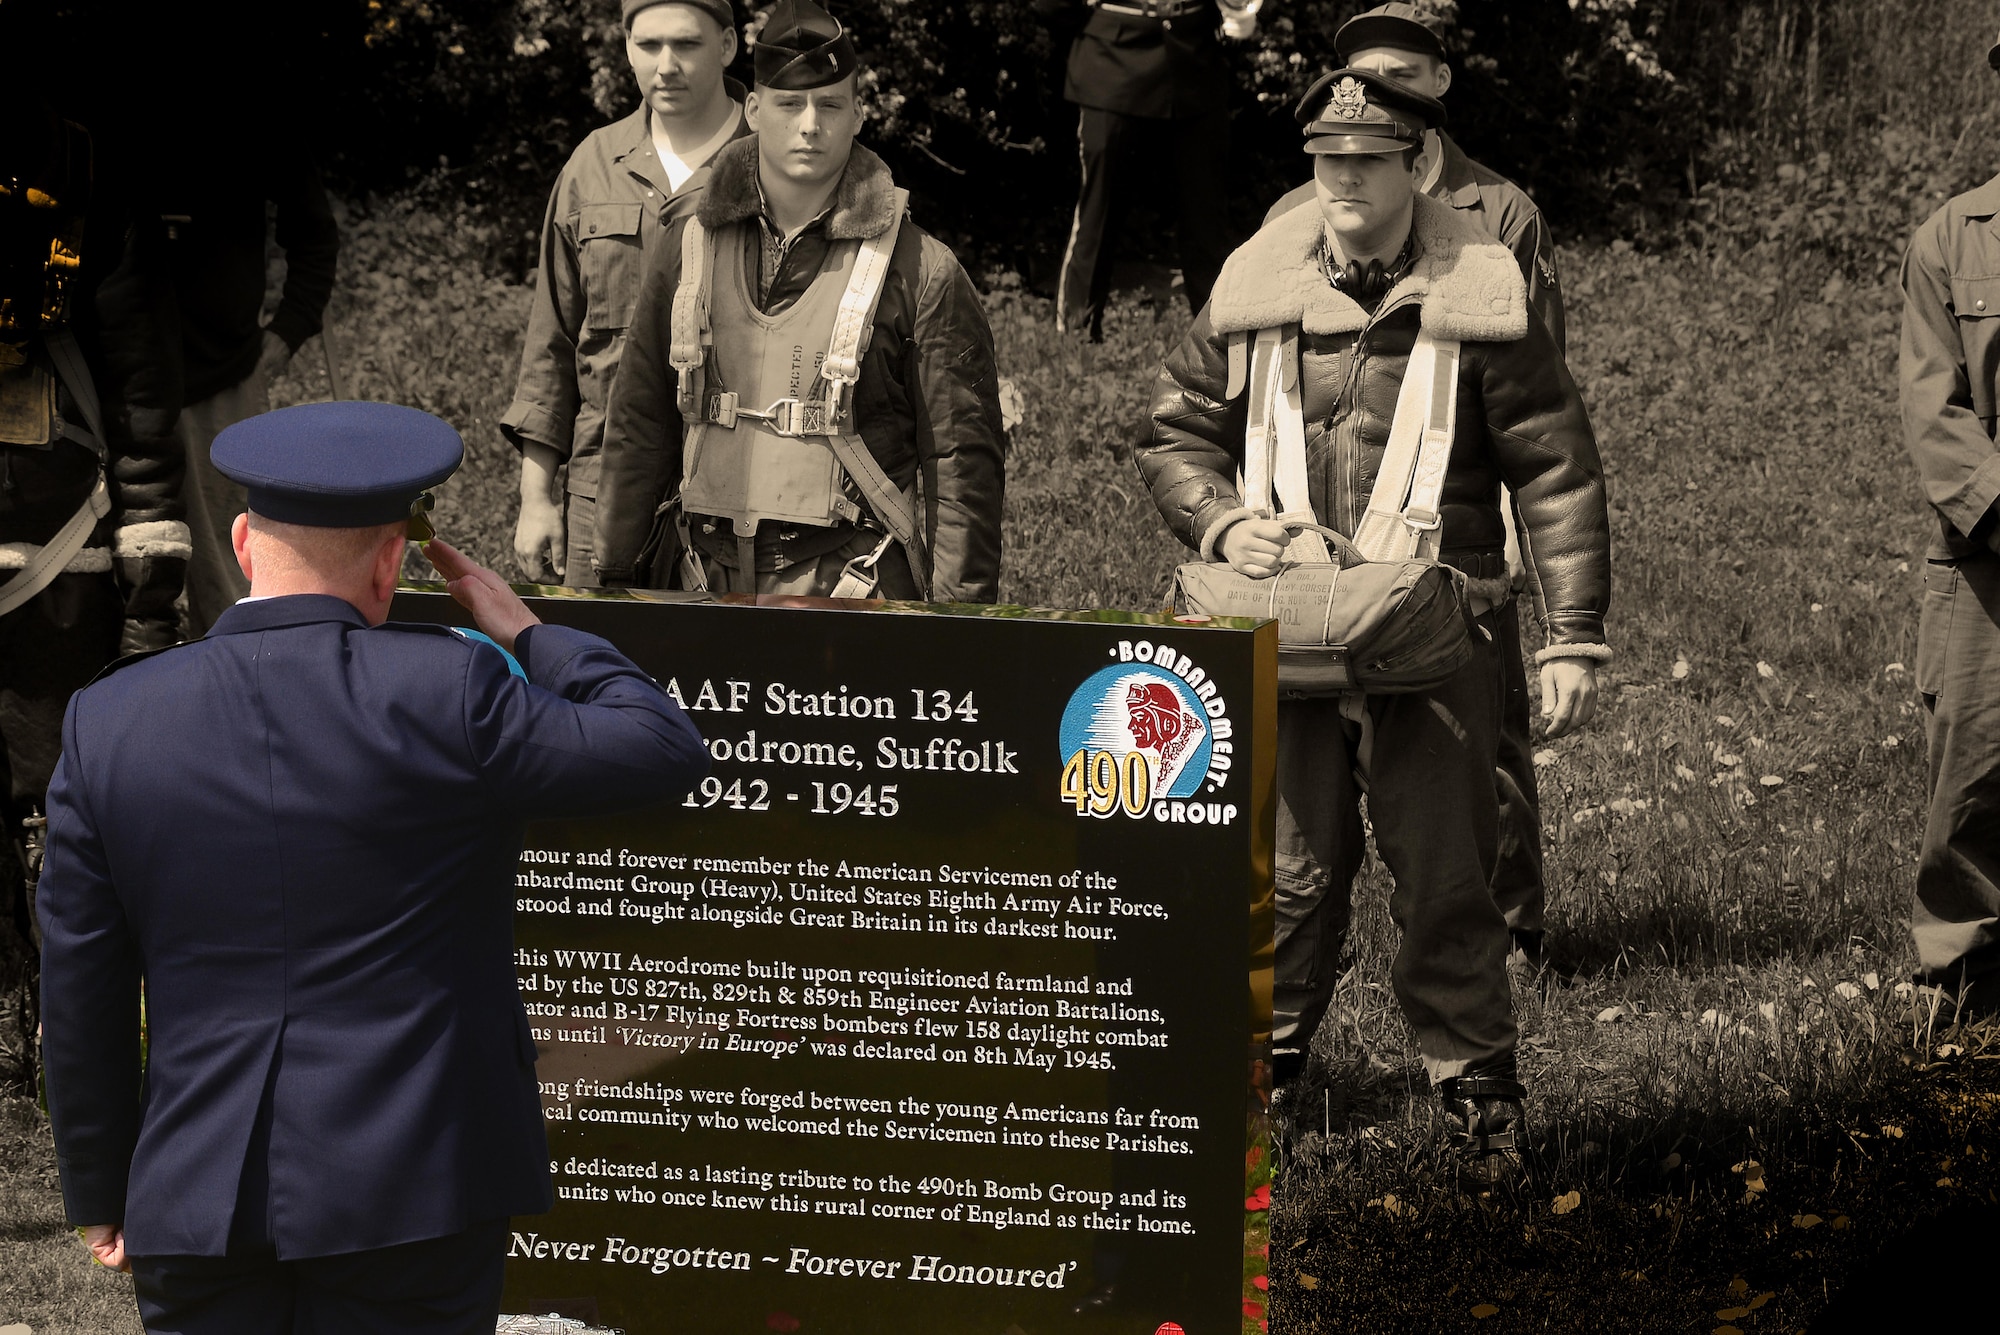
x=1380 y=614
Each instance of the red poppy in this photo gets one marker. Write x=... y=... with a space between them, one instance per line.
x=1261 y=1282
x=1254 y=1157
x=782 y=1321
x=1259 y=1199
x=1251 y=1307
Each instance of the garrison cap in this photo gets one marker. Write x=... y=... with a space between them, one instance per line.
x=1353 y=111
x=803 y=47
x=338 y=465
x=1400 y=27
x=722 y=11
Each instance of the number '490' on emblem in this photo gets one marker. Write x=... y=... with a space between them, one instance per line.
x=1135 y=735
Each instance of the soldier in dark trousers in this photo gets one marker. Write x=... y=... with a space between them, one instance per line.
x=301 y=831
x=1949 y=382
x=91 y=544
x=1393 y=41
x=1148 y=79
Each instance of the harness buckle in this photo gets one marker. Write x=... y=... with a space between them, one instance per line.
x=722 y=409
x=785 y=417
x=1422 y=520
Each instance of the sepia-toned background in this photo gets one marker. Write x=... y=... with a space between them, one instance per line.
x=1736 y=1115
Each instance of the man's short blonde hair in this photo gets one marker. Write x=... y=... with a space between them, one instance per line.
x=330 y=553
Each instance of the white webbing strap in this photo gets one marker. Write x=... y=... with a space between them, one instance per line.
x=853 y=324
x=855 y=320
x=56 y=554
x=1274 y=454
x=1403 y=519
x=689 y=331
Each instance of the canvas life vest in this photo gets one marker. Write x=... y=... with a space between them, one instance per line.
x=768 y=400
x=1403 y=519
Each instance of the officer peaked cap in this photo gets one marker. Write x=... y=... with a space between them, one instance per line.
x=1399 y=27
x=803 y=47
x=338 y=465
x=1354 y=111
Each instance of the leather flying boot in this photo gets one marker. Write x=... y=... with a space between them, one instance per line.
x=1487 y=1124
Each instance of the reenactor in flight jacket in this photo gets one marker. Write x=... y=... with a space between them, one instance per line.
x=1357 y=285
x=808 y=402
x=1393 y=41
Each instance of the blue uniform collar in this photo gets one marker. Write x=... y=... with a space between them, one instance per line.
x=296 y=609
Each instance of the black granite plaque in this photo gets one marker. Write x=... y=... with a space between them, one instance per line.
x=930 y=1009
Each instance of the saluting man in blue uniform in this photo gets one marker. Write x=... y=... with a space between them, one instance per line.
x=300 y=832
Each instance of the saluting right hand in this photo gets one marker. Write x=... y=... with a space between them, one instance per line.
x=496 y=609
x=1254 y=547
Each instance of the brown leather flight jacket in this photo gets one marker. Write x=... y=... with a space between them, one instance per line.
x=1520 y=418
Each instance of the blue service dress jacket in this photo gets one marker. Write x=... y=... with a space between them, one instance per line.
x=303 y=833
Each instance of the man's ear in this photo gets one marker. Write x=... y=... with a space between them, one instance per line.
x=729 y=43
x=1420 y=166
x=239 y=540
x=751 y=104
x=1443 y=79
x=389 y=565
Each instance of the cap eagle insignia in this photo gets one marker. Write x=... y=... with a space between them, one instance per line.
x=1350 y=101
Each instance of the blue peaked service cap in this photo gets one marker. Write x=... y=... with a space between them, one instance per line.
x=338 y=465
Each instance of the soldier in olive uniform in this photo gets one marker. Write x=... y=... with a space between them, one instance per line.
x=627 y=184
x=1949 y=382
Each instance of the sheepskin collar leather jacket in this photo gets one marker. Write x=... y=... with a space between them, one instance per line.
x=1520 y=419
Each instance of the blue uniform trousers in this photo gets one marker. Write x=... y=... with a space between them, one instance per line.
x=439 y=1286
x=1436 y=817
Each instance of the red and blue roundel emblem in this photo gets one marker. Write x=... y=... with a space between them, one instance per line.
x=1132 y=734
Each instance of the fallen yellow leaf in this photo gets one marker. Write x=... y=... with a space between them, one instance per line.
x=1893 y=1132
x=1308 y=1281
x=1566 y=1202
x=1841 y=1221
x=1484 y=1310
x=1726 y=1330
x=1732 y=1313
x=1806 y=1220
x=1760 y=1300
x=1739 y=1285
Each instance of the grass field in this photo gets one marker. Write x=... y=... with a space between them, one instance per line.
x=1729 y=1099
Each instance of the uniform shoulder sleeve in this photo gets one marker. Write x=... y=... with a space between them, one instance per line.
x=583 y=731
x=962 y=442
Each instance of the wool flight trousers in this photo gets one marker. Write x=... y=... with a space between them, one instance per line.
x=1518 y=887
x=1956 y=920
x=1435 y=811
